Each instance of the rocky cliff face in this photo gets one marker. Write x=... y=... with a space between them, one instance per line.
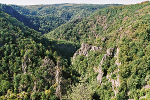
x=26 y=61
x=109 y=52
x=58 y=78
x=48 y=62
x=85 y=48
x=115 y=82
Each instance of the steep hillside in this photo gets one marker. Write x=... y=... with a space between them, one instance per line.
x=105 y=56
x=45 y=18
x=30 y=65
x=103 y=22
x=65 y=11
x=9 y=10
x=115 y=52
x=43 y=24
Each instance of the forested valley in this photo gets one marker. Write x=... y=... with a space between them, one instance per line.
x=75 y=52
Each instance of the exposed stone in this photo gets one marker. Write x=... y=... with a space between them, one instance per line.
x=147 y=78
x=58 y=78
x=25 y=63
x=34 y=88
x=146 y=87
x=100 y=75
x=110 y=51
x=95 y=48
x=104 y=39
x=103 y=59
x=100 y=72
x=117 y=61
x=85 y=48
x=115 y=83
x=48 y=62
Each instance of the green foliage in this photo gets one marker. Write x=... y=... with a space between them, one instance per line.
x=148 y=96
x=113 y=76
x=65 y=11
x=45 y=18
x=129 y=32
x=27 y=63
x=81 y=91
x=28 y=58
x=41 y=23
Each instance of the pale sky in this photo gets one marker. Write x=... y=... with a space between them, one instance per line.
x=34 y=2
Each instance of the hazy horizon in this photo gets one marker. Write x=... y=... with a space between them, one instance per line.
x=38 y=2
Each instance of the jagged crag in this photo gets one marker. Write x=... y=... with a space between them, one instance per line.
x=104 y=55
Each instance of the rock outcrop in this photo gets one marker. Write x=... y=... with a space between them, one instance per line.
x=109 y=52
x=115 y=83
x=58 y=78
x=48 y=62
x=85 y=48
x=26 y=61
x=100 y=72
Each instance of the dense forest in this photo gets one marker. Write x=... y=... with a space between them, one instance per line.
x=45 y=18
x=75 y=52
x=115 y=46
